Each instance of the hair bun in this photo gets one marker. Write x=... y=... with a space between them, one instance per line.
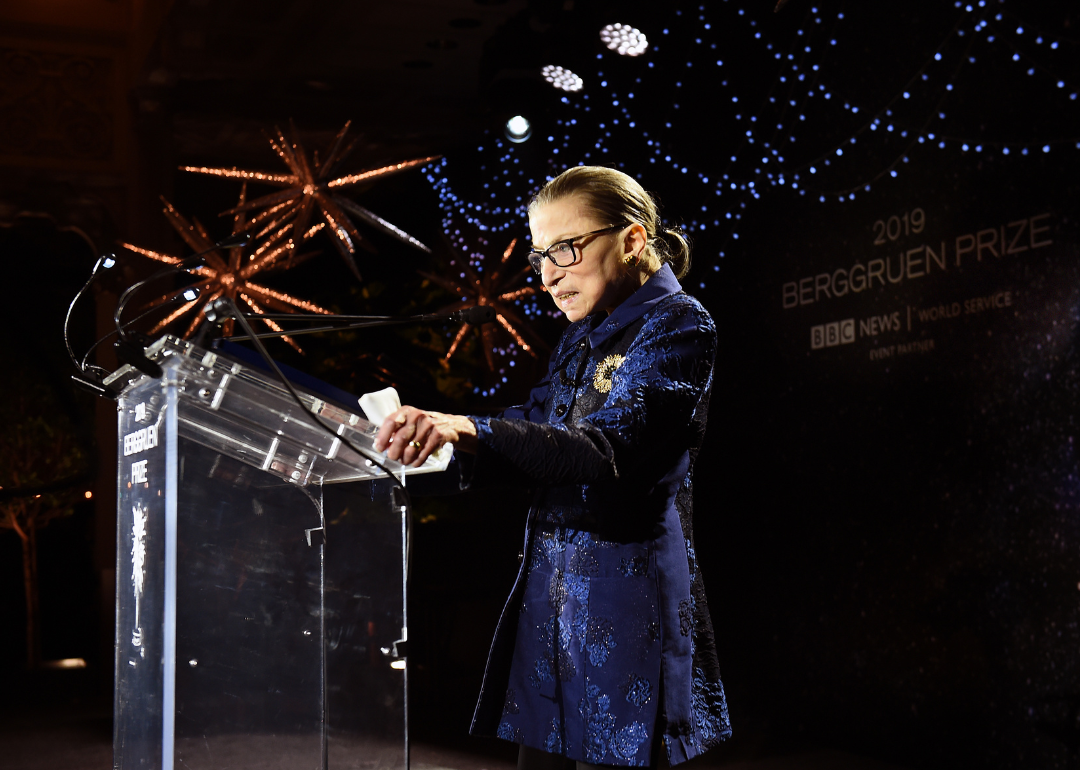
x=675 y=249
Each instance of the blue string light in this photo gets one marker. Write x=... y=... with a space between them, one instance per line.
x=757 y=164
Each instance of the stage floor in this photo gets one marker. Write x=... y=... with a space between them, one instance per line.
x=61 y=727
x=75 y=737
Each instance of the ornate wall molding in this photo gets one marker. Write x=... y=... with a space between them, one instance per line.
x=58 y=109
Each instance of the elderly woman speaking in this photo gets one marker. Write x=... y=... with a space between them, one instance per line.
x=604 y=653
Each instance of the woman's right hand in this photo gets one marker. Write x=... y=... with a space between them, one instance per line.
x=410 y=435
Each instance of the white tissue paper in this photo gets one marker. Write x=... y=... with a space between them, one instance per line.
x=381 y=404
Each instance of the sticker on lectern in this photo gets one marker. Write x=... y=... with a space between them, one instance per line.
x=138 y=570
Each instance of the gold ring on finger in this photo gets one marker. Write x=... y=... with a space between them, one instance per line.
x=416 y=444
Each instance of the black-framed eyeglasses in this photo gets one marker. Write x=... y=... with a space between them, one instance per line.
x=561 y=253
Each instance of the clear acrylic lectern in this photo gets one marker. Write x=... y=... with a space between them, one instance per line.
x=260 y=604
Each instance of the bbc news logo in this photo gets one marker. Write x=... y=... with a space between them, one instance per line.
x=830 y=335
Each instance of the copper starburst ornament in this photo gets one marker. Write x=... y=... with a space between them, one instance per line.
x=227 y=272
x=312 y=188
x=496 y=289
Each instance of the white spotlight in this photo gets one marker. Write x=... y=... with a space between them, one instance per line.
x=561 y=78
x=624 y=39
x=518 y=129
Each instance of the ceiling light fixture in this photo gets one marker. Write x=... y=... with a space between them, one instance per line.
x=624 y=39
x=561 y=78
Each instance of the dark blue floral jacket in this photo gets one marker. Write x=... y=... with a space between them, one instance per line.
x=605 y=651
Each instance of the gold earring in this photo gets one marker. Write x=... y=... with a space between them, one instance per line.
x=630 y=260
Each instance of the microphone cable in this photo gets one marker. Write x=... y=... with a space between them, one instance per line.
x=189 y=294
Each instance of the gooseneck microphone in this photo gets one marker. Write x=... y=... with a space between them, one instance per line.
x=187 y=264
x=476 y=316
x=104 y=262
x=127 y=351
x=91 y=376
x=88 y=380
x=236 y=240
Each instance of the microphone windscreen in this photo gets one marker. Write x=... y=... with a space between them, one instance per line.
x=480 y=314
x=234 y=240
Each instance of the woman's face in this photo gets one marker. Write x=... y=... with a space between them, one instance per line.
x=599 y=278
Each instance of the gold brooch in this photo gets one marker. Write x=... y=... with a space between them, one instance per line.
x=605 y=370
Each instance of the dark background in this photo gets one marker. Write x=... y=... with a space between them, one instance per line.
x=889 y=544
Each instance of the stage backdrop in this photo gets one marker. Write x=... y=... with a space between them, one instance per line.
x=895 y=537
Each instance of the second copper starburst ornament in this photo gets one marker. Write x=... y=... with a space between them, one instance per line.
x=495 y=289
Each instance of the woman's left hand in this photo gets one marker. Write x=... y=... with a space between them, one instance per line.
x=410 y=435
